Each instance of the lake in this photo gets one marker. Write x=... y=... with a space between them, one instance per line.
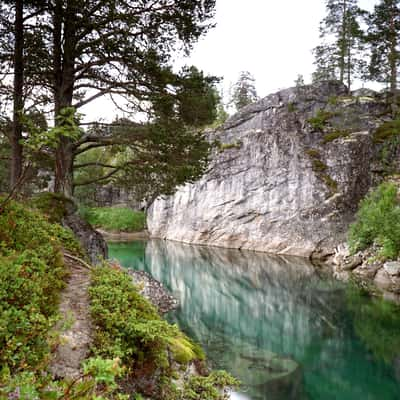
x=280 y=325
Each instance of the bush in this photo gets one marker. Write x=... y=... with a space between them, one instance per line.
x=378 y=221
x=31 y=276
x=114 y=218
x=129 y=327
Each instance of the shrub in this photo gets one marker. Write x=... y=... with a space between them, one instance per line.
x=115 y=218
x=378 y=221
x=31 y=276
x=129 y=327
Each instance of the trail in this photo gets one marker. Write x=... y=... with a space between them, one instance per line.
x=75 y=324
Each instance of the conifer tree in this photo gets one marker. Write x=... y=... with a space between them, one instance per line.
x=338 y=57
x=244 y=91
x=383 y=38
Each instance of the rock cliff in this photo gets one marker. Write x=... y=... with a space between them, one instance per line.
x=286 y=177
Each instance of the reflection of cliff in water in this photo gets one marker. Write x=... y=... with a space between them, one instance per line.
x=271 y=321
x=259 y=307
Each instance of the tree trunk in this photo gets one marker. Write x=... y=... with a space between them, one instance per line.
x=343 y=42
x=63 y=64
x=16 y=136
x=393 y=64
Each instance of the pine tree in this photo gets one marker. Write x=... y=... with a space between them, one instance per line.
x=83 y=50
x=383 y=37
x=244 y=91
x=339 y=56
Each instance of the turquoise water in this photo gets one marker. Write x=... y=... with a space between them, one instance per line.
x=273 y=322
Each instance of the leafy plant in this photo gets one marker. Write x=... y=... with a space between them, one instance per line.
x=378 y=221
x=31 y=277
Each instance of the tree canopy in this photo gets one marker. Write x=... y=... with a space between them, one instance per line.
x=77 y=51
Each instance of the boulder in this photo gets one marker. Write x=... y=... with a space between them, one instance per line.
x=392 y=268
x=91 y=241
x=287 y=177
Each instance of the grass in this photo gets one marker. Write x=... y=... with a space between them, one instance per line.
x=115 y=219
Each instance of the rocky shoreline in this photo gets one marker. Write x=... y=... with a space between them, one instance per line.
x=376 y=276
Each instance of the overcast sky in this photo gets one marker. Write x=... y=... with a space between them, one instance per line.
x=272 y=39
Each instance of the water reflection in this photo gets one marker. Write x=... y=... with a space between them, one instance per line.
x=271 y=321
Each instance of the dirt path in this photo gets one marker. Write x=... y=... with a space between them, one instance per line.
x=75 y=324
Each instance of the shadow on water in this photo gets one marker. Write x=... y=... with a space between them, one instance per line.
x=271 y=321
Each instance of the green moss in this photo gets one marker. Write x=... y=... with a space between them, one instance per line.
x=53 y=205
x=387 y=130
x=313 y=153
x=114 y=218
x=320 y=119
x=291 y=107
x=320 y=168
x=330 y=182
x=333 y=100
x=227 y=146
x=331 y=136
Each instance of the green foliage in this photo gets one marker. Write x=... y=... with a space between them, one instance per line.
x=376 y=323
x=209 y=387
x=320 y=168
x=197 y=98
x=291 y=107
x=321 y=118
x=67 y=125
x=31 y=276
x=53 y=205
x=331 y=136
x=129 y=327
x=227 y=146
x=244 y=91
x=114 y=218
x=338 y=56
x=387 y=130
x=98 y=382
x=378 y=221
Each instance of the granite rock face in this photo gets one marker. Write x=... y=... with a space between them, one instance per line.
x=287 y=176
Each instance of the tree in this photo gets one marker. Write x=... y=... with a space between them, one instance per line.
x=14 y=44
x=89 y=49
x=339 y=55
x=244 y=91
x=383 y=37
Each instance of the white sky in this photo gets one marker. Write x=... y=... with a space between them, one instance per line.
x=272 y=39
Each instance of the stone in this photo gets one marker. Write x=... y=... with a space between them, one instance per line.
x=286 y=189
x=154 y=291
x=392 y=268
x=366 y=271
x=351 y=263
x=91 y=241
x=383 y=281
